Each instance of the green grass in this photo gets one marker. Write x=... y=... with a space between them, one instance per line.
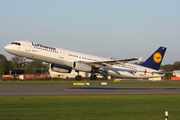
x=115 y=107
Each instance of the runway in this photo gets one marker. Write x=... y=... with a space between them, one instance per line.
x=85 y=90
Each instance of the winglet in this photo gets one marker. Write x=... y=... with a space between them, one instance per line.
x=140 y=58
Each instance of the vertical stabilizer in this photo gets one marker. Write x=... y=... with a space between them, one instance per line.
x=154 y=61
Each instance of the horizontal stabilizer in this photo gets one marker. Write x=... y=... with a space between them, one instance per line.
x=162 y=72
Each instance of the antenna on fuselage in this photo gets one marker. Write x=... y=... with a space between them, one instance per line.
x=27 y=39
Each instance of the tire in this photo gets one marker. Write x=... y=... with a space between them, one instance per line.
x=22 y=64
x=78 y=77
x=93 y=77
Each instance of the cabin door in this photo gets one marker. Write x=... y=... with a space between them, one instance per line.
x=28 y=46
x=61 y=54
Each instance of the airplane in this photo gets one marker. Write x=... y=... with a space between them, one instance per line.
x=64 y=61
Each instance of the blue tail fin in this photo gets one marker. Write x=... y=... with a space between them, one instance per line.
x=154 y=61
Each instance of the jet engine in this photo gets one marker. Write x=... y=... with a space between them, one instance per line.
x=82 y=67
x=60 y=69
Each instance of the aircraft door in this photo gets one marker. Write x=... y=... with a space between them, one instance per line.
x=28 y=46
x=61 y=54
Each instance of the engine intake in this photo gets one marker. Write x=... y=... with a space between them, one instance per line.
x=82 y=67
x=60 y=69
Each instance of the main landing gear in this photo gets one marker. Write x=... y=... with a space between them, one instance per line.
x=78 y=77
x=92 y=77
x=22 y=63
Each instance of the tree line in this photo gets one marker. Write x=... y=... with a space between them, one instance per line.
x=15 y=63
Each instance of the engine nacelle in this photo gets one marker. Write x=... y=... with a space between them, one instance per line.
x=82 y=67
x=60 y=69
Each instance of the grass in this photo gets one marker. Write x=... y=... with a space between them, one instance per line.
x=115 y=107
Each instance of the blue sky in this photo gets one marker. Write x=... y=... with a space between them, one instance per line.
x=106 y=28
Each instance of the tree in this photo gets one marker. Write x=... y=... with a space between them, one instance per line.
x=8 y=66
x=167 y=67
x=31 y=68
x=16 y=61
x=171 y=67
x=3 y=64
x=176 y=65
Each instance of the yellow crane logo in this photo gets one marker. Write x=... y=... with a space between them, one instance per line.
x=157 y=57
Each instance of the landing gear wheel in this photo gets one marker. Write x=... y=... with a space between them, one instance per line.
x=93 y=77
x=22 y=64
x=78 y=77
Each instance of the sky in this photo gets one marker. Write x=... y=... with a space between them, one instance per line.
x=106 y=28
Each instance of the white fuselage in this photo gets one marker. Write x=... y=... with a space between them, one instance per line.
x=66 y=58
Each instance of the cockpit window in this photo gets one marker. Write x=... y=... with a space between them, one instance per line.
x=16 y=43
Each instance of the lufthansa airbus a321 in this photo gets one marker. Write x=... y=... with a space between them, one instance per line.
x=64 y=61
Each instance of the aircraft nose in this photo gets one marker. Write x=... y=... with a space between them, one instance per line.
x=7 y=48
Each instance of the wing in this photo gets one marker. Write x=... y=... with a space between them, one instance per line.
x=110 y=62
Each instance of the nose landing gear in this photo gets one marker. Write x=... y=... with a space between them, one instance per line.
x=22 y=63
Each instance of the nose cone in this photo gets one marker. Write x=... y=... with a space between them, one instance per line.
x=7 y=48
x=10 y=49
